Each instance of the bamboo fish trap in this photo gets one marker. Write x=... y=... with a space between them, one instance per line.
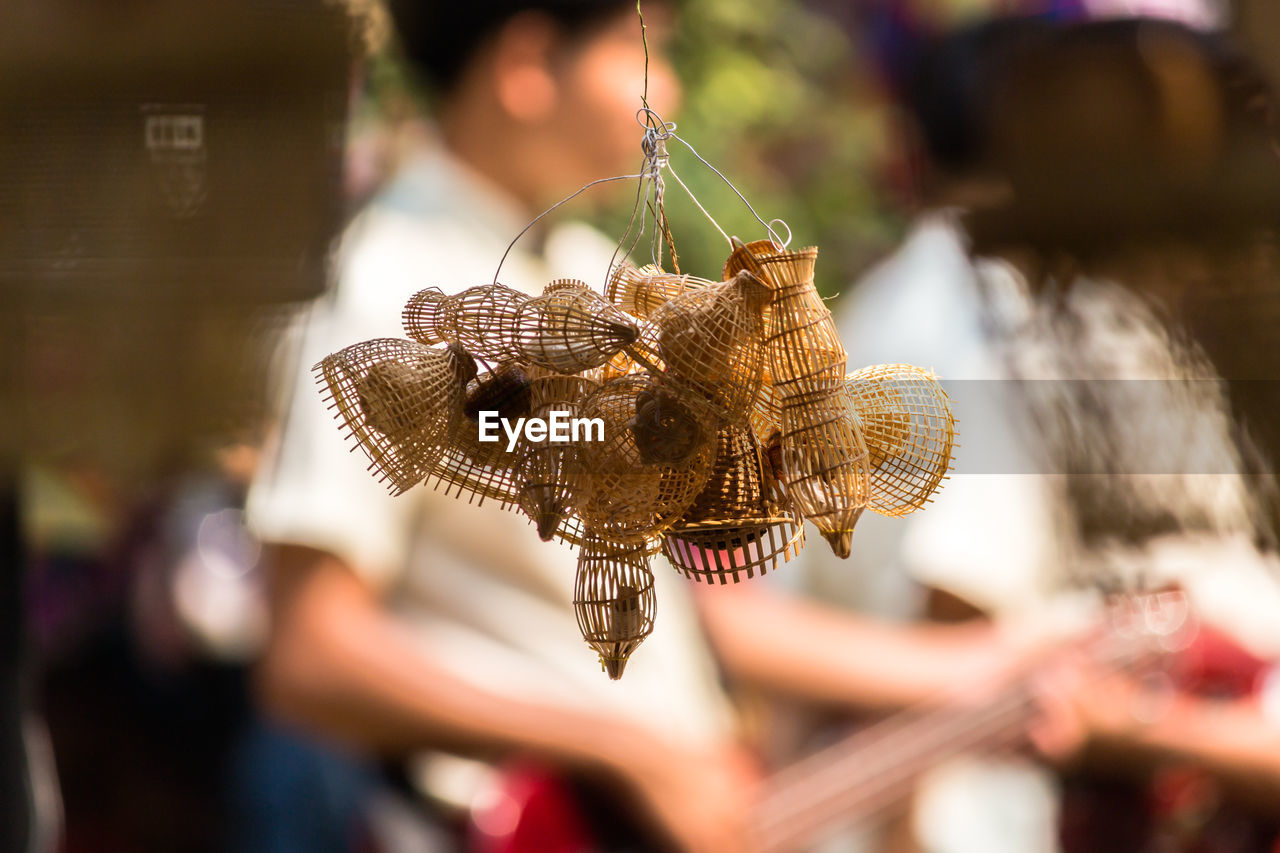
x=713 y=339
x=399 y=400
x=655 y=458
x=736 y=527
x=910 y=432
x=613 y=600
x=571 y=328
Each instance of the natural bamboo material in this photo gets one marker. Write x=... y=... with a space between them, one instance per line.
x=622 y=495
x=736 y=527
x=571 y=328
x=399 y=400
x=613 y=599
x=479 y=470
x=484 y=319
x=823 y=451
x=549 y=472
x=640 y=292
x=713 y=338
x=910 y=432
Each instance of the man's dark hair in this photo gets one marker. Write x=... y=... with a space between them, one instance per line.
x=440 y=37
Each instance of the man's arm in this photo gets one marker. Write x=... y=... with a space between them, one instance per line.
x=821 y=654
x=337 y=663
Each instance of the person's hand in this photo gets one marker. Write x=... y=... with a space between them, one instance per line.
x=701 y=798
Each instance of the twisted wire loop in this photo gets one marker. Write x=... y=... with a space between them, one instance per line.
x=737 y=526
x=613 y=599
x=399 y=401
x=910 y=432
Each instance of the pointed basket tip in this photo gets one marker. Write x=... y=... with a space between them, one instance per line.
x=547 y=523
x=841 y=542
x=614 y=667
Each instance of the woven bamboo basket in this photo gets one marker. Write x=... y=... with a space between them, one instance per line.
x=479 y=470
x=713 y=339
x=640 y=292
x=548 y=472
x=803 y=350
x=484 y=319
x=625 y=494
x=399 y=400
x=826 y=464
x=910 y=433
x=614 y=601
x=571 y=328
x=736 y=527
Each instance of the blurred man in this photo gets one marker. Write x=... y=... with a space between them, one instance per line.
x=1156 y=492
x=422 y=622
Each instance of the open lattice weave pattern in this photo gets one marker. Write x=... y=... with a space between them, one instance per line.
x=484 y=320
x=399 y=400
x=571 y=328
x=910 y=431
x=642 y=291
x=549 y=473
x=712 y=338
x=736 y=526
x=705 y=418
x=655 y=458
x=613 y=599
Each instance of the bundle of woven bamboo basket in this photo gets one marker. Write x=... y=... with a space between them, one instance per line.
x=706 y=420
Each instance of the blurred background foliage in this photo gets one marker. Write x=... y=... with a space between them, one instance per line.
x=777 y=97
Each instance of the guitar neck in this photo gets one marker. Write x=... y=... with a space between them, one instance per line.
x=875 y=768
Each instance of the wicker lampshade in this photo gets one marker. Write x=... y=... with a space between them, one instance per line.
x=736 y=526
x=621 y=496
x=571 y=328
x=713 y=339
x=613 y=599
x=399 y=400
x=910 y=431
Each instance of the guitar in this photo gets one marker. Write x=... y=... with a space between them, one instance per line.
x=849 y=783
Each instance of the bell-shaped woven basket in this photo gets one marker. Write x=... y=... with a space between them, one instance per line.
x=613 y=599
x=399 y=400
x=910 y=433
x=736 y=527
x=640 y=292
x=571 y=328
x=549 y=472
x=713 y=339
x=655 y=458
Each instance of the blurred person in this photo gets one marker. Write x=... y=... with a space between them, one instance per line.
x=424 y=623
x=1161 y=483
